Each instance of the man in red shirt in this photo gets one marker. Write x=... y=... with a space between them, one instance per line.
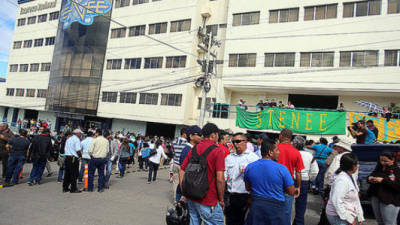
x=290 y=157
x=210 y=208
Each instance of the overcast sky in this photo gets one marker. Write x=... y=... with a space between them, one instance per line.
x=8 y=11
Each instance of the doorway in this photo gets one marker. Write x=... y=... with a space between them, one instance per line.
x=314 y=101
x=160 y=129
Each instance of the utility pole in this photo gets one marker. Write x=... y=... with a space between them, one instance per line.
x=206 y=78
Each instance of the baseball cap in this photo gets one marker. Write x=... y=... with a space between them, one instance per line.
x=193 y=129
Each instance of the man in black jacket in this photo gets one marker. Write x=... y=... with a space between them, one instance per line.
x=5 y=135
x=39 y=152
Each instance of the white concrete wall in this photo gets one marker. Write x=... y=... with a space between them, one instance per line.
x=42 y=54
x=129 y=126
x=309 y=36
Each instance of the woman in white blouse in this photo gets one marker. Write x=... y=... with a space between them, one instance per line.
x=154 y=160
x=344 y=205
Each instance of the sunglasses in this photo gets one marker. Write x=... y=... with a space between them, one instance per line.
x=237 y=141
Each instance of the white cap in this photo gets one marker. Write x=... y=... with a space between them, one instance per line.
x=121 y=136
x=77 y=131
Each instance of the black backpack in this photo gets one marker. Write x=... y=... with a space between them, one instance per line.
x=195 y=181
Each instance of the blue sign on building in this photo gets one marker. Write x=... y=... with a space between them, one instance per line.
x=83 y=11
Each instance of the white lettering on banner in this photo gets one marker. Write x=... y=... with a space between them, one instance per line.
x=38 y=7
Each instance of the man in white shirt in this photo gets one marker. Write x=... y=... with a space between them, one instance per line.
x=235 y=166
x=72 y=154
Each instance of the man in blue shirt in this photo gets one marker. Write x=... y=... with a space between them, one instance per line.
x=85 y=153
x=268 y=181
x=72 y=154
x=322 y=151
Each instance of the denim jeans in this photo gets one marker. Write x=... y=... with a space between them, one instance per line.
x=210 y=215
x=82 y=170
x=288 y=208
x=37 y=170
x=15 y=164
x=301 y=204
x=61 y=173
x=335 y=220
x=319 y=182
x=123 y=162
x=96 y=163
x=384 y=214
x=153 y=167
x=108 y=170
x=265 y=211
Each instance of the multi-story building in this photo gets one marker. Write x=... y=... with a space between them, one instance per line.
x=134 y=68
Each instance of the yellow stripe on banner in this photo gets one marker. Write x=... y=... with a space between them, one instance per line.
x=388 y=131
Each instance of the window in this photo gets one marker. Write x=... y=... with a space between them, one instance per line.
x=21 y=22
x=137 y=2
x=242 y=60
x=152 y=63
x=157 y=28
x=45 y=67
x=393 y=6
x=53 y=16
x=30 y=93
x=121 y=3
x=32 y=20
x=213 y=29
x=392 y=57
x=27 y=43
x=34 y=67
x=364 y=8
x=38 y=42
x=134 y=63
x=320 y=12
x=17 y=44
x=42 y=18
x=358 y=58
x=127 y=97
x=23 y=67
x=14 y=68
x=41 y=93
x=316 y=59
x=137 y=30
x=176 y=62
x=279 y=59
x=171 y=99
x=249 y=18
x=208 y=101
x=181 y=25
x=114 y=64
x=118 y=33
x=20 y=92
x=284 y=15
x=10 y=92
x=109 y=96
x=50 y=41
x=148 y=98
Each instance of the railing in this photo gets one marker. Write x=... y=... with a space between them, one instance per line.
x=224 y=111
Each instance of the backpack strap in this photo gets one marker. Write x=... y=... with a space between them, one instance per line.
x=208 y=151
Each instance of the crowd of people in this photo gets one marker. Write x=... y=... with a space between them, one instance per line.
x=221 y=177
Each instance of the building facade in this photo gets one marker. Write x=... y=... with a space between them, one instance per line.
x=134 y=68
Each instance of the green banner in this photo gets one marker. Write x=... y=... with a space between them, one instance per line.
x=299 y=121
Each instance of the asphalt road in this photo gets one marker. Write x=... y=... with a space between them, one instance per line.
x=128 y=201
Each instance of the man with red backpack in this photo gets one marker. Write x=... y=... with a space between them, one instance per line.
x=202 y=179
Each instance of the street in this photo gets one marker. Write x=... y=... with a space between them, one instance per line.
x=128 y=201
